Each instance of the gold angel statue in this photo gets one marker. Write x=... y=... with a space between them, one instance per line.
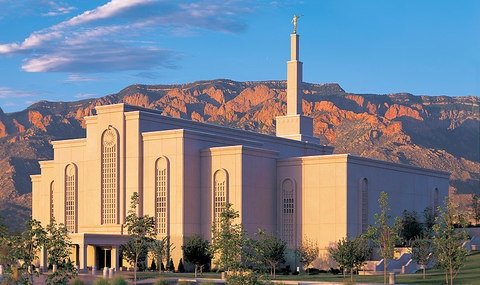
x=294 y=21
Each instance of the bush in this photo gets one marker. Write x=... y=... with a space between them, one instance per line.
x=162 y=267
x=119 y=280
x=161 y=282
x=171 y=266
x=334 y=271
x=313 y=271
x=77 y=281
x=180 y=267
x=295 y=272
x=153 y=266
x=100 y=281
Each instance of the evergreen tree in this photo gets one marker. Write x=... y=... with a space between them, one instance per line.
x=180 y=267
x=171 y=266
x=411 y=226
x=153 y=265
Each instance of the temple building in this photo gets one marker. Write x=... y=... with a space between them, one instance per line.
x=186 y=171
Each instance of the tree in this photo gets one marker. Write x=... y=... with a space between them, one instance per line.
x=26 y=248
x=383 y=234
x=141 y=230
x=351 y=254
x=58 y=246
x=447 y=242
x=228 y=240
x=307 y=252
x=422 y=252
x=429 y=215
x=411 y=227
x=196 y=251
x=475 y=208
x=180 y=267
x=161 y=250
x=270 y=249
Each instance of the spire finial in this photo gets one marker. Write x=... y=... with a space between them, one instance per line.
x=294 y=21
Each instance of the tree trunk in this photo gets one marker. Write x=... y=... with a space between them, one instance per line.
x=135 y=271
x=195 y=271
x=274 y=272
x=424 y=271
x=451 y=276
x=385 y=271
x=446 y=277
x=351 y=274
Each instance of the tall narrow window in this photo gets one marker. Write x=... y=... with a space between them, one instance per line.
x=436 y=201
x=161 y=196
x=109 y=176
x=51 y=202
x=220 y=190
x=364 y=205
x=71 y=198
x=288 y=212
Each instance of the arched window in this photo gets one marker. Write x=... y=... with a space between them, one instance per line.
x=161 y=196
x=435 y=200
x=220 y=190
x=51 y=202
x=109 y=176
x=363 y=193
x=288 y=212
x=71 y=198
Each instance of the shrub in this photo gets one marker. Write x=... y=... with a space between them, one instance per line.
x=180 y=267
x=118 y=280
x=161 y=282
x=171 y=266
x=77 y=281
x=153 y=266
x=100 y=281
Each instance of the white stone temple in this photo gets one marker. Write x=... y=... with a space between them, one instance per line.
x=185 y=172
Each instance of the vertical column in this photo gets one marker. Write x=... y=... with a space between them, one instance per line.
x=115 y=257
x=294 y=80
x=43 y=259
x=82 y=257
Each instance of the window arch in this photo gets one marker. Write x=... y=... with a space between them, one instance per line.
x=435 y=200
x=161 y=195
x=220 y=194
x=363 y=209
x=52 y=216
x=288 y=212
x=109 y=176
x=71 y=198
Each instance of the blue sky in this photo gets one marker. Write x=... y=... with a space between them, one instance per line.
x=74 y=49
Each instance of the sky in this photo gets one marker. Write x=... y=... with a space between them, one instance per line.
x=75 y=49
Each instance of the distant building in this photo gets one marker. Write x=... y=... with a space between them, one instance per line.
x=186 y=171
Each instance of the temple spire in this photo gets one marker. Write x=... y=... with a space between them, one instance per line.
x=294 y=79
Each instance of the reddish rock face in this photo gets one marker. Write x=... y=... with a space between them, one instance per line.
x=434 y=132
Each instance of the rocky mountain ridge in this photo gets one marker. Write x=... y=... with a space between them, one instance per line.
x=434 y=132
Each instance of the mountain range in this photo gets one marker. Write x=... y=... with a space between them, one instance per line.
x=437 y=132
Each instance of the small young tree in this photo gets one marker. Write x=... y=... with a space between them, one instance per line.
x=161 y=250
x=270 y=249
x=26 y=248
x=383 y=234
x=141 y=230
x=228 y=240
x=422 y=252
x=447 y=242
x=351 y=254
x=411 y=227
x=429 y=215
x=307 y=252
x=58 y=245
x=475 y=208
x=196 y=251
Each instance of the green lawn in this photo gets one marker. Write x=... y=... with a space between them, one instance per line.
x=469 y=274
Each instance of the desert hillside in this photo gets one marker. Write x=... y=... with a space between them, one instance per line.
x=434 y=132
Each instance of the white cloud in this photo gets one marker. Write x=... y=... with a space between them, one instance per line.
x=118 y=35
x=85 y=95
x=6 y=92
x=78 y=78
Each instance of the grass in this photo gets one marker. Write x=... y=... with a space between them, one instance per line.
x=469 y=274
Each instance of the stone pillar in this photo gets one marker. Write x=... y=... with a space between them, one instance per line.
x=95 y=254
x=105 y=272
x=82 y=257
x=111 y=273
x=115 y=252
